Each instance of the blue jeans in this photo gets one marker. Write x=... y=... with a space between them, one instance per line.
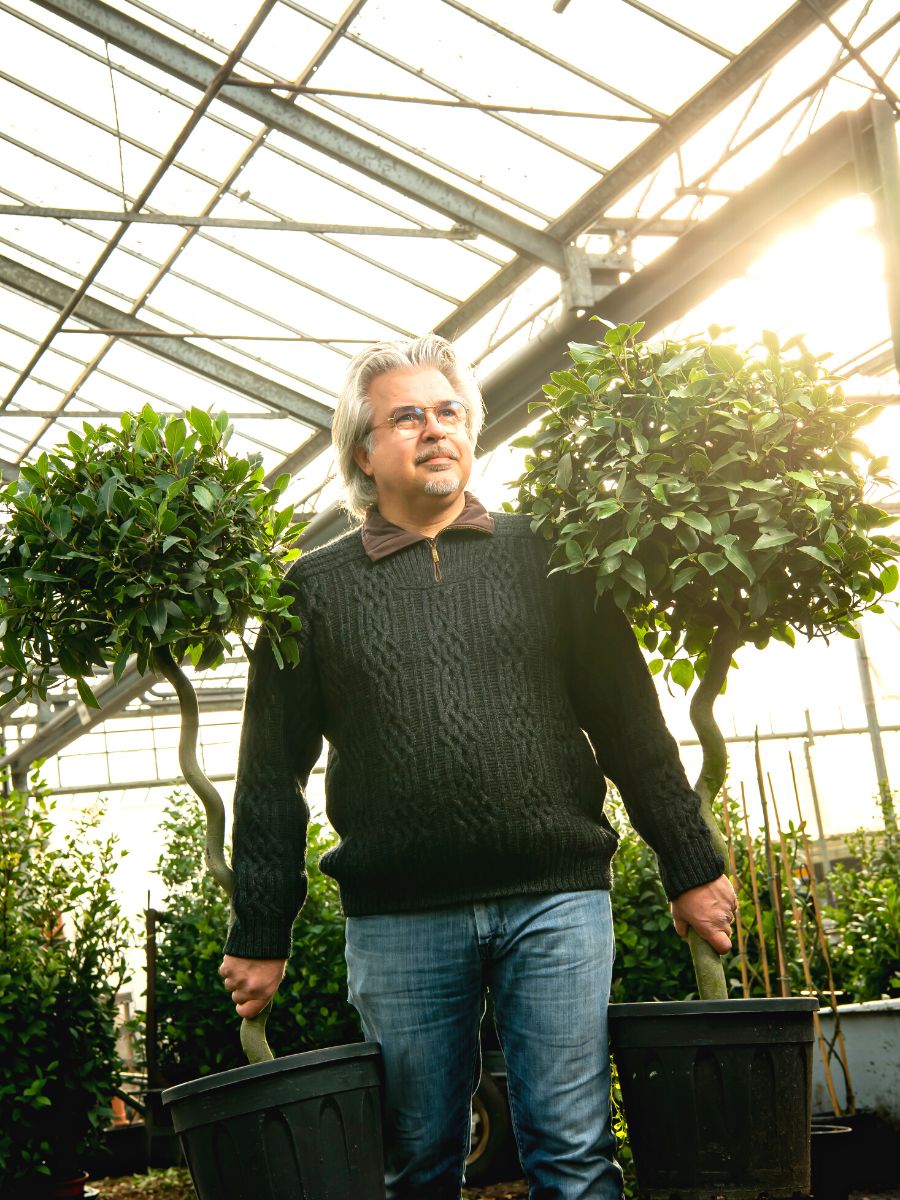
x=418 y=980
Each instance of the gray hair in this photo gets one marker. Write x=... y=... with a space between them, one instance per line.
x=353 y=414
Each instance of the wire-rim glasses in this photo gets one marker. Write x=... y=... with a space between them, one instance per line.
x=451 y=415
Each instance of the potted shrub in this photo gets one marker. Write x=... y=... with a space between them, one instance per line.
x=719 y=499
x=151 y=542
x=62 y=937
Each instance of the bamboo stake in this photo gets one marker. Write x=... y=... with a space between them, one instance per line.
x=739 y=928
x=774 y=898
x=778 y=896
x=823 y=946
x=754 y=884
x=804 y=957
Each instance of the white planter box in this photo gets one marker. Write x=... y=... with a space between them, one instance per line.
x=872 y=1038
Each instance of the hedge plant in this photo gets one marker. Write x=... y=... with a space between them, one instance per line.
x=719 y=498
x=62 y=940
x=148 y=542
x=194 y=1014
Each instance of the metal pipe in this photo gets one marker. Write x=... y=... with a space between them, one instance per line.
x=457 y=233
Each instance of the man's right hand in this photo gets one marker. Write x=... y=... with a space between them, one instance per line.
x=252 y=981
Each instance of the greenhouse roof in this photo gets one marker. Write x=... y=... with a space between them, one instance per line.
x=216 y=204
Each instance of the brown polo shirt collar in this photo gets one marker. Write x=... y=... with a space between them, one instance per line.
x=381 y=537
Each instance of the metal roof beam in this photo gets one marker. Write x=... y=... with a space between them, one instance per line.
x=820 y=171
x=734 y=78
x=176 y=350
x=192 y=68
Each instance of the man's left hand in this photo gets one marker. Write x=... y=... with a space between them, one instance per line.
x=709 y=910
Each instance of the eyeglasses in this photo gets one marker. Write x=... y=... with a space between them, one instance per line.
x=450 y=415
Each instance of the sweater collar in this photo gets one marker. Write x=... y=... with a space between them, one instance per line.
x=381 y=537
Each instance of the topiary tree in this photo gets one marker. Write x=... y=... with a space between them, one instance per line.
x=720 y=499
x=311 y=1007
x=148 y=542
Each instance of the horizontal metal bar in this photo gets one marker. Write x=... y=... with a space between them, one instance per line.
x=109 y=414
x=800 y=735
x=661 y=227
x=457 y=233
x=203 y=362
x=478 y=105
x=168 y=55
x=237 y=337
x=130 y=785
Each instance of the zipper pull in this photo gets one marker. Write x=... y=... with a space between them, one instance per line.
x=436 y=562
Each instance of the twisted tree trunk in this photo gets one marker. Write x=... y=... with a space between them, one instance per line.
x=253 y=1030
x=707 y=963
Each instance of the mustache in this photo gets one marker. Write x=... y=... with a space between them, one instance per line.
x=437 y=451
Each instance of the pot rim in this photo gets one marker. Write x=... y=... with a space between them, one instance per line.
x=775 y=1005
x=306 y=1060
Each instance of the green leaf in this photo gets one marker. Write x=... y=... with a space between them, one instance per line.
x=176 y=434
x=728 y=360
x=86 y=694
x=601 y=509
x=60 y=521
x=713 y=563
x=774 y=537
x=739 y=559
x=682 y=673
x=204 y=497
x=622 y=546
x=202 y=423
x=805 y=477
x=817 y=554
x=564 y=472
x=889 y=577
x=697 y=521
x=632 y=572
x=158 y=617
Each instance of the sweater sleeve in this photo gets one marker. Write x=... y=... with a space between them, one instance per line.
x=281 y=739
x=617 y=706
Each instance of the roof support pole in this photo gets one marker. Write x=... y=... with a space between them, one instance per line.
x=886 y=193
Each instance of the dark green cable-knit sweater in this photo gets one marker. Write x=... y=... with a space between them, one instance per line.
x=455 y=710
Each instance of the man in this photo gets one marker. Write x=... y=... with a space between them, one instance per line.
x=455 y=684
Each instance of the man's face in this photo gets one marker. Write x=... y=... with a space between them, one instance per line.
x=409 y=465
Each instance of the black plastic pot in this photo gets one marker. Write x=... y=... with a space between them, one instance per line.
x=717 y=1095
x=308 y=1125
x=832 y=1161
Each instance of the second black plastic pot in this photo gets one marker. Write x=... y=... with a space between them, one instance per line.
x=717 y=1095
x=305 y=1126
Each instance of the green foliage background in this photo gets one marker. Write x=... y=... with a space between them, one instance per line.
x=62 y=937
x=863 y=923
x=198 y=1027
